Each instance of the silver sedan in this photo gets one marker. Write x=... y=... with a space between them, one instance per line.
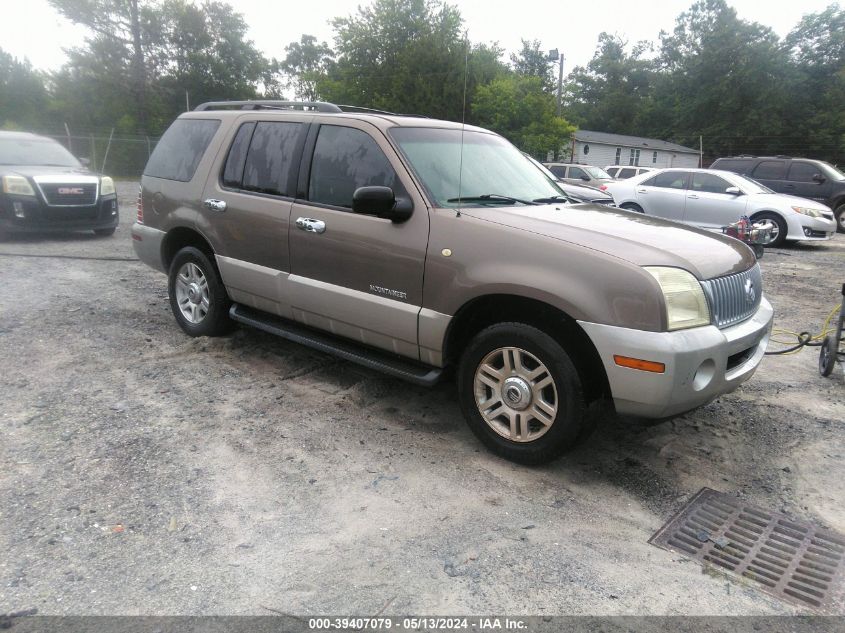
x=711 y=199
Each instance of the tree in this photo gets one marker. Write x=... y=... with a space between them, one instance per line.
x=530 y=61
x=23 y=95
x=611 y=92
x=407 y=56
x=306 y=62
x=519 y=109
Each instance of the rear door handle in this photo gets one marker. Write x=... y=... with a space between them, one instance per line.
x=215 y=205
x=693 y=197
x=311 y=225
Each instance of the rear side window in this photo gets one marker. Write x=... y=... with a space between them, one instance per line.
x=558 y=171
x=267 y=168
x=345 y=159
x=803 y=172
x=180 y=150
x=668 y=180
x=770 y=170
x=627 y=173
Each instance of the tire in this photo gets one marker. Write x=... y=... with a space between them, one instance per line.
x=545 y=411
x=105 y=232
x=839 y=214
x=827 y=355
x=779 y=233
x=197 y=295
x=630 y=206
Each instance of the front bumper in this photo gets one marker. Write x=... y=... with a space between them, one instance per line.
x=701 y=363
x=803 y=227
x=26 y=214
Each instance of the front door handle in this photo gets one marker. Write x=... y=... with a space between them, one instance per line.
x=215 y=205
x=693 y=197
x=311 y=225
x=642 y=190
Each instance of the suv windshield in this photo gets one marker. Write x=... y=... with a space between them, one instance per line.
x=492 y=168
x=596 y=172
x=35 y=152
x=832 y=172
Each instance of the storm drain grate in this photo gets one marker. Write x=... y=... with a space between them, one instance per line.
x=791 y=560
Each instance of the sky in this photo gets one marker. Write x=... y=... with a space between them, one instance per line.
x=34 y=30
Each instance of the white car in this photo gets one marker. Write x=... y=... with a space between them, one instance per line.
x=711 y=199
x=623 y=172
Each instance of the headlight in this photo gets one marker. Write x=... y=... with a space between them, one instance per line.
x=17 y=185
x=106 y=186
x=686 y=305
x=813 y=213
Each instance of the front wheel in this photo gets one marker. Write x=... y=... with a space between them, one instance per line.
x=778 y=236
x=197 y=295
x=839 y=214
x=520 y=393
x=105 y=232
x=630 y=206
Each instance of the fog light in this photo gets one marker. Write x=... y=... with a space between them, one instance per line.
x=19 y=209
x=808 y=231
x=704 y=374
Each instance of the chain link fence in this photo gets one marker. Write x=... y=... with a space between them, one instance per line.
x=117 y=155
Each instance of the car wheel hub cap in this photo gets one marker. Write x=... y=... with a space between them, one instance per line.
x=192 y=294
x=515 y=394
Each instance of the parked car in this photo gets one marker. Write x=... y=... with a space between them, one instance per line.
x=578 y=193
x=712 y=199
x=803 y=177
x=622 y=172
x=412 y=245
x=579 y=174
x=46 y=188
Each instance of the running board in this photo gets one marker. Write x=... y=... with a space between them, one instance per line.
x=390 y=364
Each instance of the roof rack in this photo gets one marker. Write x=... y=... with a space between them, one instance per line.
x=318 y=106
x=315 y=106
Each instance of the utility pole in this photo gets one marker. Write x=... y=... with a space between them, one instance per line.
x=556 y=56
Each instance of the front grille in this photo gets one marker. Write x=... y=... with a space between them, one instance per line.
x=69 y=194
x=734 y=298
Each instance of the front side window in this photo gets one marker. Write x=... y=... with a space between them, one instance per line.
x=668 y=180
x=627 y=172
x=267 y=168
x=802 y=172
x=344 y=159
x=177 y=155
x=770 y=170
x=708 y=183
x=577 y=172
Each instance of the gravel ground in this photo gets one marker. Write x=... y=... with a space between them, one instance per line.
x=144 y=472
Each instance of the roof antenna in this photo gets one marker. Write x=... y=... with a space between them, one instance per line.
x=463 y=121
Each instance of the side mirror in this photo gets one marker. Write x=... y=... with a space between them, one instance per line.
x=734 y=191
x=818 y=178
x=381 y=202
x=86 y=162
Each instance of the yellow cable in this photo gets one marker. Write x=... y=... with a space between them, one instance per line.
x=826 y=329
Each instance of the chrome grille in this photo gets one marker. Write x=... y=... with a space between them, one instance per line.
x=69 y=194
x=734 y=298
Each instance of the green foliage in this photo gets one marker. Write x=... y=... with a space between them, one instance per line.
x=520 y=109
x=23 y=96
x=533 y=62
x=305 y=64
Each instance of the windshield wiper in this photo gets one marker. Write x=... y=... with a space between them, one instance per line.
x=553 y=199
x=491 y=197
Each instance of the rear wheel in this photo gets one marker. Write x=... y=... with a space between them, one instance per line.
x=520 y=393
x=197 y=295
x=778 y=236
x=827 y=355
x=630 y=206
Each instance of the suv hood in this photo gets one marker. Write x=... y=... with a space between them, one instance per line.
x=639 y=239
x=43 y=170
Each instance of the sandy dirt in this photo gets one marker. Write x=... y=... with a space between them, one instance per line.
x=145 y=472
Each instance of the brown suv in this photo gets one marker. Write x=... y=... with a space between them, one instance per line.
x=411 y=245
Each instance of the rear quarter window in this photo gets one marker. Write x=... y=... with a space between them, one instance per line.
x=180 y=150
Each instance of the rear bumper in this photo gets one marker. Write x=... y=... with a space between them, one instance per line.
x=701 y=363
x=147 y=244
x=25 y=214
